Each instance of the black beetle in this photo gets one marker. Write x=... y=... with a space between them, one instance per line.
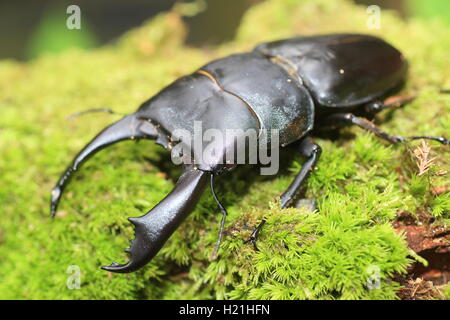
x=291 y=86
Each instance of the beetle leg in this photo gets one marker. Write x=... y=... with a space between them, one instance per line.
x=254 y=236
x=349 y=118
x=310 y=150
x=129 y=127
x=392 y=102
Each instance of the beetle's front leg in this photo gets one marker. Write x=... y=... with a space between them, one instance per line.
x=349 y=118
x=311 y=151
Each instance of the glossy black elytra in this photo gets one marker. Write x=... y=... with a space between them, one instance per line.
x=291 y=85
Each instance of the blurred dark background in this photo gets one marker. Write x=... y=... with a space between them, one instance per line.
x=29 y=28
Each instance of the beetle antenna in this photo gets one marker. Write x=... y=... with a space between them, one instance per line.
x=222 y=224
x=80 y=113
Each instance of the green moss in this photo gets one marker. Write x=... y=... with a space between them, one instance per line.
x=361 y=183
x=447 y=292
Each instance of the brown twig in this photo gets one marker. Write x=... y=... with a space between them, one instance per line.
x=422 y=154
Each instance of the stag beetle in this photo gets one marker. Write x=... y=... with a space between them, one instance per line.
x=291 y=85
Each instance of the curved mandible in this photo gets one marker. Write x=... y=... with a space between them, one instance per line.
x=154 y=228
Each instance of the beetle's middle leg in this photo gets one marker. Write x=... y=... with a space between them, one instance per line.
x=311 y=151
x=349 y=118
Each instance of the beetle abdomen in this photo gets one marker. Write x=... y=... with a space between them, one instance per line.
x=278 y=99
x=341 y=70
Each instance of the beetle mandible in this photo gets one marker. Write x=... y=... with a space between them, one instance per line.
x=327 y=81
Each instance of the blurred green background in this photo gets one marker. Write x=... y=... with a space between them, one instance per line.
x=31 y=28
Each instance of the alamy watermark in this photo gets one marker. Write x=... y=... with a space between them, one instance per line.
x=73 y=21
x=228 y=147
x=374 y=279
x=374 y=18
x=74 y=280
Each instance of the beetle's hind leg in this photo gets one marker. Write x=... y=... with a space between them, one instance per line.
x=349 y=119
x=311 y=151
